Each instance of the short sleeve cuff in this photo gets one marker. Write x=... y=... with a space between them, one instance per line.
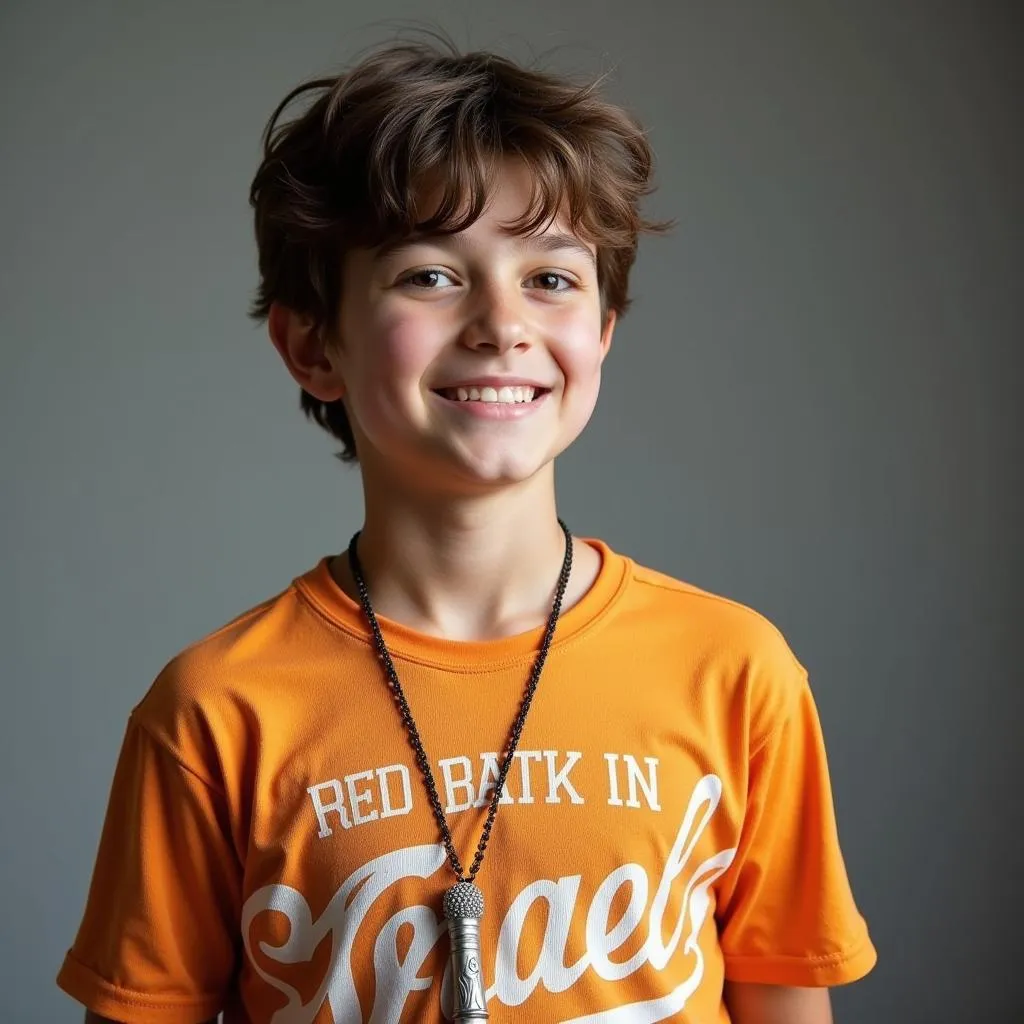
x=804 y=972
x=121 y=1004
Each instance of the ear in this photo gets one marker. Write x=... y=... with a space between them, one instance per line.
x=300 y=343
x=606 y=333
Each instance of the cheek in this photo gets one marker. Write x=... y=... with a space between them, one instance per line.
x=579 y=350
x=399 y=348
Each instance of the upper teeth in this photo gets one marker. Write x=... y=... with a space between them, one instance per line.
x=507 y=395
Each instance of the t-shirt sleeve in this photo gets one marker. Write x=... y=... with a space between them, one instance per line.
x=158 y=938
x=786 y=912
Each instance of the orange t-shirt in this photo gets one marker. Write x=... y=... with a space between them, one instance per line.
x=269 y=849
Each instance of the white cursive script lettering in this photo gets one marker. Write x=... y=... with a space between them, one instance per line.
x=395 y=977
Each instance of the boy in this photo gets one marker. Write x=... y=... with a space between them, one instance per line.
x=624 y=775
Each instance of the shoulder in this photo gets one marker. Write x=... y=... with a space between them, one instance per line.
x=218 y=696
x=718 y=623
x=737 y=652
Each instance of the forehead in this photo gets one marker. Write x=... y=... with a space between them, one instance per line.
x=553 y=241
x=513 y=206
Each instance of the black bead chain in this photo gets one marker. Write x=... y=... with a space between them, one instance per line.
x=517 y=726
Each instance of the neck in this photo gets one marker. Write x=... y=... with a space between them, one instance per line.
x=470 y=569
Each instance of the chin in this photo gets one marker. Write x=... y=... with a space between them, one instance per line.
x=497 y=472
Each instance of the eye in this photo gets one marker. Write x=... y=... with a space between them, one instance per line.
x=427 y=279
x=551 y=281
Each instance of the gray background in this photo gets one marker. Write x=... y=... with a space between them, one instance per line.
x=812 y=408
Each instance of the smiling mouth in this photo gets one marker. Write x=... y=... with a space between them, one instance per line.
x=494 y=396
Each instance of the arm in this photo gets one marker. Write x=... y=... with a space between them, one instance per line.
x=148 y=901
x=777 y=1004
x=91 y=1018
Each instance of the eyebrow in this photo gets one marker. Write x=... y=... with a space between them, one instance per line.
x=557 y=242
x=549 y=243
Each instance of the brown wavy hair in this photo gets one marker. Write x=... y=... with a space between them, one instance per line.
x=346 y=173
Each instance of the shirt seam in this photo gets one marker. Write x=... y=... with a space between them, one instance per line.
x=310 y=601
x=822 y=960
x=167 y=751
x=239 y=620
x=705 y=595
x=784 y=719
x=136 y=998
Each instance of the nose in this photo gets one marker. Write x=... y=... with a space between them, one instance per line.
x=498 y=321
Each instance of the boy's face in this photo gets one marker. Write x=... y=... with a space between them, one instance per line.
x=471 y=361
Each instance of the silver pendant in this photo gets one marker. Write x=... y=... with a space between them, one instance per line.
x=463 y=907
